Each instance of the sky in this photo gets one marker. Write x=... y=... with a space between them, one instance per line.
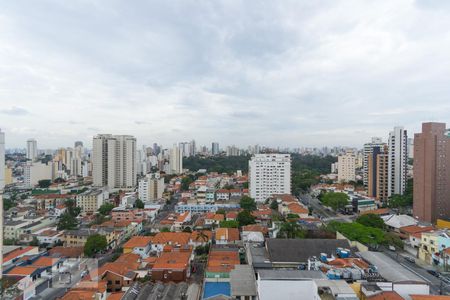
x=277 y=73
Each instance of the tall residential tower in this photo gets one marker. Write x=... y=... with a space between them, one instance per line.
x=397 y=161
x=32 y=149
x=269 y=174
x=114 y=161
x=431 y=173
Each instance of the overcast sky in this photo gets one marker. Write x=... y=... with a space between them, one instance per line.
x=288 y=73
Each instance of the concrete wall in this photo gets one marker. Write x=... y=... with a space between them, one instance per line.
x=361 y=247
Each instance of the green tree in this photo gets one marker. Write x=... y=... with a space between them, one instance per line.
x=274 y=205
x=44 y=183
x=34 y=241
x=291 y=230
x=94 y=244
x=371 y=220
x=139 y=203
x=247 y=203
x=186 y=181
x=392 y=239
x=106 y=208
x=221 y=211
x=245 y=218
x=67 y=222
x=358 y=232
x=187 y=229
x=335 y=200
x=229 y=224
x=404 y=201
x=164 y=229
x=292 y=216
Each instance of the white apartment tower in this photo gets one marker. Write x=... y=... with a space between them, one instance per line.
x=114 y=161
x=368 y=149
x=397 y=161
x=176 y=160
x=32 y=149
x=347 y=167
x=151 y=187
x=269 y=174
x=215 y=148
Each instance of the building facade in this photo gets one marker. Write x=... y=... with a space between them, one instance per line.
x=151 y=187
x=347 y=167
x=114 y=161
x=2 y=161
x=90 y=201
x=176 y=160
x=368 y=149
x=431 y=173
x=398 y=161
x=269 y=174
x=32 y=149
x=377 y=173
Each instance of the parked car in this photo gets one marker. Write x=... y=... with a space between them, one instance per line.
x=410 y=259
x=433 y=272
x=392 y=248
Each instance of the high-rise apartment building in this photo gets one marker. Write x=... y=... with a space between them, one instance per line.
x=176 y=160
x=431 y=173
x=398 y=161
x=377 y=179
x=347 y=167
x=151 y=187
x=215 y=148
x=114 y=161
x=368 y=147
x=32 y=149
x=269 y=174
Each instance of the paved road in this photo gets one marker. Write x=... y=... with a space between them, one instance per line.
x=435 y=283
x=324 y=213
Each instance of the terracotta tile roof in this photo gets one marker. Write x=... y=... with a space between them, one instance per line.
x=66 y=251
x=54 y=196
x=45 y=261
x=286 y=198
x=235 y=191
x=228 y=234
x=182 y=217
x=386 y=295
x=231 y=215
x=86 y=285
x=296 y=208
x=206 y=236
x=115 y=296
x=22 y=271
x=49 y=232
x=138 y=241
x=79 y=295
x=17 y=253
x=265 y=213
x=222 y=191
x=222 y=261
x=181 y=238
x=412 y=229
x=172 y=260
x=131 y=259
x=118 y=268
x=429 y=297
x=257 y=228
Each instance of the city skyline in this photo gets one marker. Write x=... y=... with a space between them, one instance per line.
x=233 y=72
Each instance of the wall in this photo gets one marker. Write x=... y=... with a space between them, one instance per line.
x=361 y=247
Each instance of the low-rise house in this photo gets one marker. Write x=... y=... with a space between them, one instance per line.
x=200 y=238
x=87 y=290
x=139 y=245
x=134 y=215
x=213 y=219
x=235 y=193
x=118 y=275
x=16 y=252
x=172 y=266
x=49 y=237
x=180 y=220
x=222 y=195
x=243 y=282
x=231 y=216
x=66 y=252
x=433 y=246
x=162 y=239
x=225 y=236
x=413 y=234
x=395 y=222
x=221 y=262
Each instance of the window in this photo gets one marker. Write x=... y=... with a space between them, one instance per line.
x=117 y=281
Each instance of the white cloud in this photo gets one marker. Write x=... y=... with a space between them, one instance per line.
x=239 y=72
